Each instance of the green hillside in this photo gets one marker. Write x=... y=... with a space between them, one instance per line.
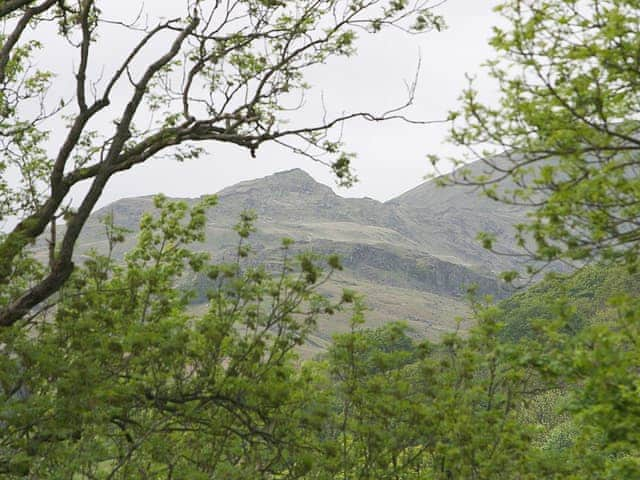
x=587 y=291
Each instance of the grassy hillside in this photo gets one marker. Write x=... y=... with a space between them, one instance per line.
x=587 y=290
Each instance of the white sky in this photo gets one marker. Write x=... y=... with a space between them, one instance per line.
x=391 y=155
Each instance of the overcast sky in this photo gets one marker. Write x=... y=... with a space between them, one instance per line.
x=391 y=155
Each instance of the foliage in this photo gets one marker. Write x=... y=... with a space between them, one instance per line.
x=434 y=411
x=118 y=380
x=563 y=136
x=563 y=140
x=595 y=434
x=587 y=290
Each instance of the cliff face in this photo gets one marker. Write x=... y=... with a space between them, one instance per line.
x=413 y=256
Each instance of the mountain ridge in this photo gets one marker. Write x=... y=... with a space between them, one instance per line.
x=413 y=256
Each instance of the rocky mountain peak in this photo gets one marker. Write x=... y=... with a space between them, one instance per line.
x=281 y=183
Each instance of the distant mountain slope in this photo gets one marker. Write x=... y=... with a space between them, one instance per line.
x=413 y=256
x=451 y=217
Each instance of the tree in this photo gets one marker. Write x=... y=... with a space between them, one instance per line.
x=563 y=136
x=401 y=410
x=567 y=127
x=227 y=72
x=122 y=380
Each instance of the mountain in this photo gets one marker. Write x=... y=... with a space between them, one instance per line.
x=413 y=256
x=451 y=217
